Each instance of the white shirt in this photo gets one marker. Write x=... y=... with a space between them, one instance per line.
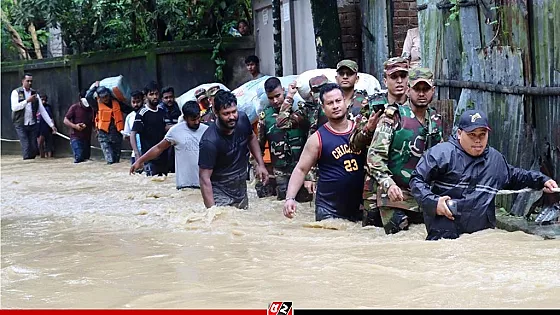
x=128 y=123
x=186 y=142
x=28 y=115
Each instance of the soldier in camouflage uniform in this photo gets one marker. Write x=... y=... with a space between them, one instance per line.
x=286 y=144
x=206 y=114
x=395 y=78
x=397 y=145
x=366 y=123
x=346 y=78
x=307 y=115
x=395 y=74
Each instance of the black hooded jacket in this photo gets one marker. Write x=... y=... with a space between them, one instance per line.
x=473 y=182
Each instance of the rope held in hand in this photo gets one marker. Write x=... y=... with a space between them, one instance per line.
x=67 y=138
x=524 y=190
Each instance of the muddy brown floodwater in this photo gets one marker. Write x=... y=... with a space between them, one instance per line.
x=89 y=235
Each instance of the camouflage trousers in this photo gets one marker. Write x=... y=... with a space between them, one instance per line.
x=371 y=214
x=282 y=180
x=278 y=187
x=396 y=219
x=111 y=143
x=270 y=188
x=392 y=216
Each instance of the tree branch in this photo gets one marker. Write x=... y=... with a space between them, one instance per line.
x=16 y=39
x=36 y=45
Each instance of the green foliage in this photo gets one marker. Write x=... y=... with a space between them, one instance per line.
x=91 y=25
x=454 y=12
x=9 y=51
x=207 y=19
x=26 y=11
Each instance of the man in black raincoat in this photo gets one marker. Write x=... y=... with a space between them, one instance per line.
x=456 y=182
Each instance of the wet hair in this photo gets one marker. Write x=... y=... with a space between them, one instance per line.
x=271 y=83
x=152 y=86
x=327 y=88
x=224 y=99
x=27 y=74
x=168 y=89
x=137 y=93
x=253 y=59
x=191 y=109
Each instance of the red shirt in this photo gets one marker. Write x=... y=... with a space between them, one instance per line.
x=77 y=113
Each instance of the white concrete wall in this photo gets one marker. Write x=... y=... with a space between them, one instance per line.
x=303 y=41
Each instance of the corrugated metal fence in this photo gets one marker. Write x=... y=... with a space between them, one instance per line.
x=503 y=57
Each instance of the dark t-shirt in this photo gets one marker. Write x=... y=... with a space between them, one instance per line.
x=171 y=113
x=77 y=113
x=44 y=128
x=150 y=125
x=226 y=155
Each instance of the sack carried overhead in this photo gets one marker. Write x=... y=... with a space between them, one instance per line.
x=120 y=89
x=251 y=96
x=189 y=95
x=365 y=82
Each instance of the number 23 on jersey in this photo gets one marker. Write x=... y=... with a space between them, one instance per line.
x=351 y=165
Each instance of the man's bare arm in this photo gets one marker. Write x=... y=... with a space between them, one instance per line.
x=307 y=160
x=154 y=151
x=206 y=186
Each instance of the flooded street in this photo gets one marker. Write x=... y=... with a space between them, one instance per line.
x=89 y=235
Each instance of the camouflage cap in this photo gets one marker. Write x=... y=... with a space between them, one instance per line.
x=199 y=92
x=318 y=81
x=395 y=64
x=213 y=90
x=420 y=75
x=350 y=64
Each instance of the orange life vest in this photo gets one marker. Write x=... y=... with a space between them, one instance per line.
x=266 y=156
x=104 y=115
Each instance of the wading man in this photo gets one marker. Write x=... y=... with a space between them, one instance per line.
x=403 y=134
x=26 y=103
x=467 y=172
x=185 y=138
x=341 y=171
x=285 y=144
x=224 y=155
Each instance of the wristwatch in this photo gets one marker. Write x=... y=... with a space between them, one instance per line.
x=290 y=198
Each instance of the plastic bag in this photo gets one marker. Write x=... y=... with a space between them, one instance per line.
x=365 y=82
x=120 y=89
x=189 y=95
x=251 y=97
